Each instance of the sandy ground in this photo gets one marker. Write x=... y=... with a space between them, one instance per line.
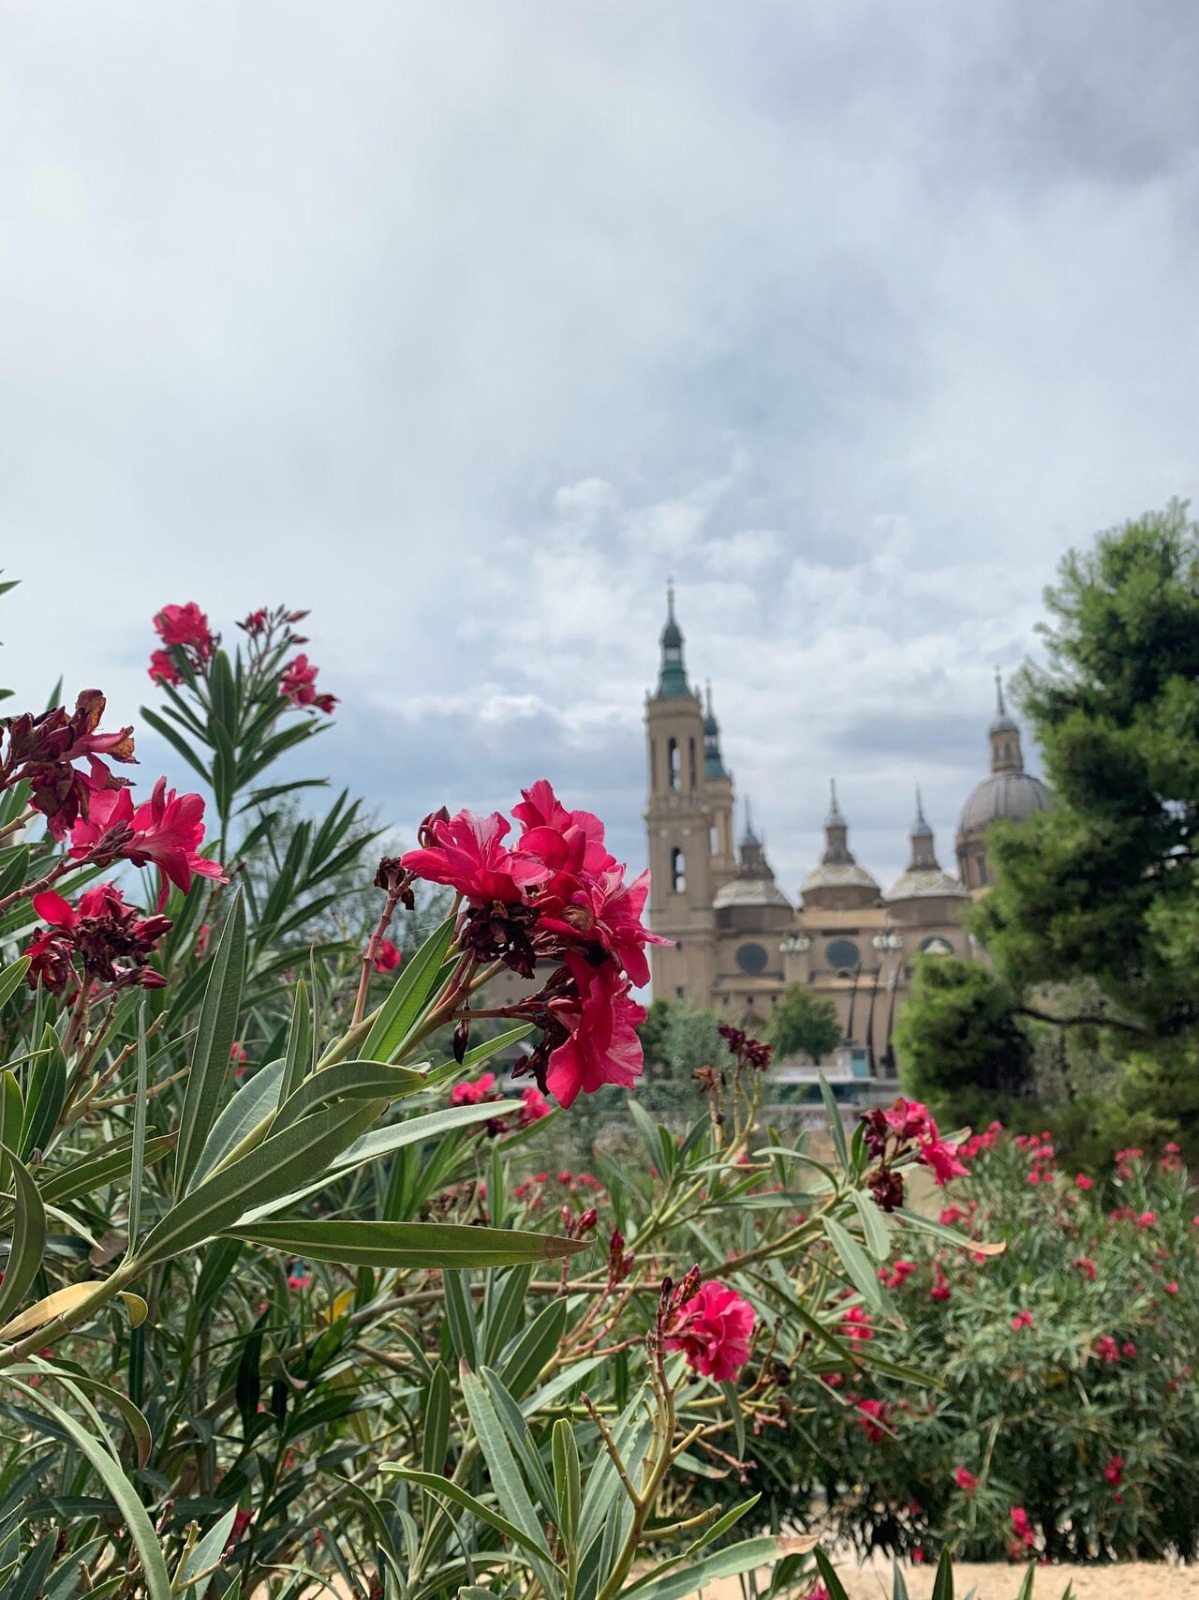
x=1134 y=1581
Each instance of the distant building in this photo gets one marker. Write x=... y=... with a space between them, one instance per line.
x=739 y=941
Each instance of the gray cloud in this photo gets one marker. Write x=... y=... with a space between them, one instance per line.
x=467 y=325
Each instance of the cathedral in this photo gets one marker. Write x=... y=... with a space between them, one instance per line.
x=739 y=941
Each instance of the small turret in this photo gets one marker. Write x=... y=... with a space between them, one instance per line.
x=713 y=760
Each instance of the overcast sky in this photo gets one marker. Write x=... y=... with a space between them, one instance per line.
x=467 y=324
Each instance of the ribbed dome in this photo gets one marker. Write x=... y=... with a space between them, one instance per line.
x=926 y=883
x=1004 y=794
x=750 y=892
x=836 y=875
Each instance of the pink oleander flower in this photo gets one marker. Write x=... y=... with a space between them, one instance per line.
x=1106 y=1348
x=965 y=1480
x=1023 y=1527
x=1081 y=1181
x=103 y=932
x=856 y=1324
x=713 y=1330
x=474 y=1094
x=298 y=683
x=185 y=626
x=1147 y=1219
x=1086 y=1266
x=908 y=1122
x=940 y=1289
x=1170 y=1288
x=467 y=853
x=387 y=957
x=533 y=1107
x=601 y=1024
x=165 y=831
x=162 y=668
x=1114 y=1471
x=1023 y=1319
x=900 y=1270
x=875 y=1417
x=237 y=1053
x=298 y=1278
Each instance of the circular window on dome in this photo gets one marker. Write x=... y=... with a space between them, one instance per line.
x=842 y=955
x=935 y=946
x=752 y=959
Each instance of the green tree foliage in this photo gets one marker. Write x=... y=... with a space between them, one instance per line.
x=803 y=1024
x=963 y=1048
x=1101 y=890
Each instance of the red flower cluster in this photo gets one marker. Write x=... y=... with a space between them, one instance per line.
x=1023 y=1319
x=981 y=1141
x=713 y=1329
x=1025 y=1536
x=474 y=1094
x=184 y=628
x=42 y=752
x=1086 y=1266
x=559 y=896
x=1114 y=1471
x=298 y=683
x=900 y=1271
x=165 y=831
x=891 y=1134
x=965 y=1480
x=112 y=940
x=875 y=1417
x=856 y=1324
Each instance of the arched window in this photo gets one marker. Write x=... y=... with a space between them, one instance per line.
x=1007 y=751
x=691 y=769
x=713 y=840
x=678 y=872
x=982 y=870
x=674 y=763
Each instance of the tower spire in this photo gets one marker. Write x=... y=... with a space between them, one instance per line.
x=672 y=673
x=1000 y=708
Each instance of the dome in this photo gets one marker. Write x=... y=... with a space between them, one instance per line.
x=750 y=892
x=926 y=883
x=1014 y=795
x=838 y=875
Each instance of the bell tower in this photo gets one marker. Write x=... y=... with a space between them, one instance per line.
x=679 y=822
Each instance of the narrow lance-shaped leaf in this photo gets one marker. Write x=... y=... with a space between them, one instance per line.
x=299 y=1043
x=409 y=995
x=214 y=1043
x=137 y=1162
x=856 y=1262
x=28 y=1236
x=407 y=1244
x=277 y=1165
x=45 y=1095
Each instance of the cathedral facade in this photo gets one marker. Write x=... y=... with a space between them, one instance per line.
x=738 y=941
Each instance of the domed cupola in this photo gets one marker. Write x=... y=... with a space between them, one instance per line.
x=1009 y=793
x=838 y=883
x=924 y=878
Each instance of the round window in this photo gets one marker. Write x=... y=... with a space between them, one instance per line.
x=842 y=955
x=752 y=959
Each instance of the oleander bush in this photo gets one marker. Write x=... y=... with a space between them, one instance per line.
x=297 y=1291
x=1065 y=1418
